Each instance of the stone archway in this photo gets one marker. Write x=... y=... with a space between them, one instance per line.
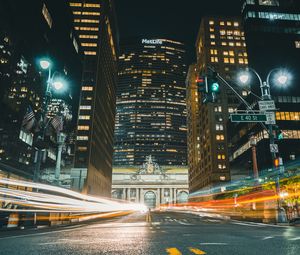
x=182 y=197
x=150 y=199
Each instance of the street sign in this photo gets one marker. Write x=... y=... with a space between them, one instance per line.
x=270 y=118
x=251 y=117
x=274 y=148
x=267 y=105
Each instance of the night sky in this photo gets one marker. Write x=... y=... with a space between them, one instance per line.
x=173 y=19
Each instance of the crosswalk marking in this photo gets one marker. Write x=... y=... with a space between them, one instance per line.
x=173 y=251
x=197 y=251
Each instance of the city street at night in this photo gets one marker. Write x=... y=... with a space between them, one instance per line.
x=159 y=127
x=162 y=233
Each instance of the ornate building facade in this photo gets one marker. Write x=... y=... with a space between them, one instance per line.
x=151 y=184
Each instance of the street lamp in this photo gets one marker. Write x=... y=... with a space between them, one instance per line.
x=281 y=78
x=52 y=83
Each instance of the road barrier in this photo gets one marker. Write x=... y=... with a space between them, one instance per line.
x=13 y=220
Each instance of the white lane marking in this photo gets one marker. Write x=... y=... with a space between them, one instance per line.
x=184 y=223
x=210 y=220
x=259 y=224
x=213 y=243
x=294 y=239
x=267 y=237
x=247 y=224
x=38 y=234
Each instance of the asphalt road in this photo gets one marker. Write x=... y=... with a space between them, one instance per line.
x=165 y=233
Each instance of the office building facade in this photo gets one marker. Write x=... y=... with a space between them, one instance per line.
x=29 y=32
x=95 y=23
x=270 y=27
x=221 y=45
x=151 y=105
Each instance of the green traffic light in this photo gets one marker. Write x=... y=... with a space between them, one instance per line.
x=215 y=87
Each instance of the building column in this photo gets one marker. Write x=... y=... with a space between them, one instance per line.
x=137 y=195
x=123 y=194
x=171 y=195
x=175 y=195
x=128 y=194
x=163 y=195
x=158 y=202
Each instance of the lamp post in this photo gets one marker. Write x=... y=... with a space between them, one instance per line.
x=253 y=143
x=60 y=142
x=282 y=79
x=51 y=84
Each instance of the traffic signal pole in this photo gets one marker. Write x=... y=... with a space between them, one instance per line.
x=265 y=96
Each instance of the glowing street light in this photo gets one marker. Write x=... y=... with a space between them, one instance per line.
x=244 y=78
x=58 y=85
x=45 y=64
x=53 y=83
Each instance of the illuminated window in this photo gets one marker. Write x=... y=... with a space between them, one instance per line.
x=87 y=28
x=89 y=44
x=84 y=117
x=219 y=127
x=213 y=52
x=236 y=24
x=214 y=59
x=85 y=107
x=91 y=13
x=88 y=36
x=221 y=157
x=297 y=44
x=212 y=36
x=91 y=5
x=82 y=138
x=211 y=22
x=226 y=60
x=83 y=128
x=87 y=88
x=229 y=23
x=213 y=43
x=241 y=61
x=82 y=148
x=222 y=32
x=88 y=21
x=75 y=4
x=223 y=43
x=90 y=53
x=220 y=137
x=231 y=53
x=231 y=60
x=222 y=23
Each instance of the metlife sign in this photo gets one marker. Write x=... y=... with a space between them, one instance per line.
x=152 y=41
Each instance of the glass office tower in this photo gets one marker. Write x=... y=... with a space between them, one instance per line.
x=151 y=105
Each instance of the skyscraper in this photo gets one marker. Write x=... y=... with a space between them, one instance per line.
x=273 y=41
x=151 y=105
x=221 y=45
x=94 y=21
x=30 y=31
x=193 y=125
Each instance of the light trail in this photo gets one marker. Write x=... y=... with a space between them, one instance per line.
x=51 y=199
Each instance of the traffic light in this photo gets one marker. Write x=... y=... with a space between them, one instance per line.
x=279 y=135
x=213 y=83
x=276 y=162
x=202 y=84
x=213 y=86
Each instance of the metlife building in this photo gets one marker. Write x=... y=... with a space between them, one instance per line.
x=151 y=105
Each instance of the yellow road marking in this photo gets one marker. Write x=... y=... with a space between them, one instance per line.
x=173 y=251
x=196 y=251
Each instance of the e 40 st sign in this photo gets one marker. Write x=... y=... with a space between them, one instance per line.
x=248 y=117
